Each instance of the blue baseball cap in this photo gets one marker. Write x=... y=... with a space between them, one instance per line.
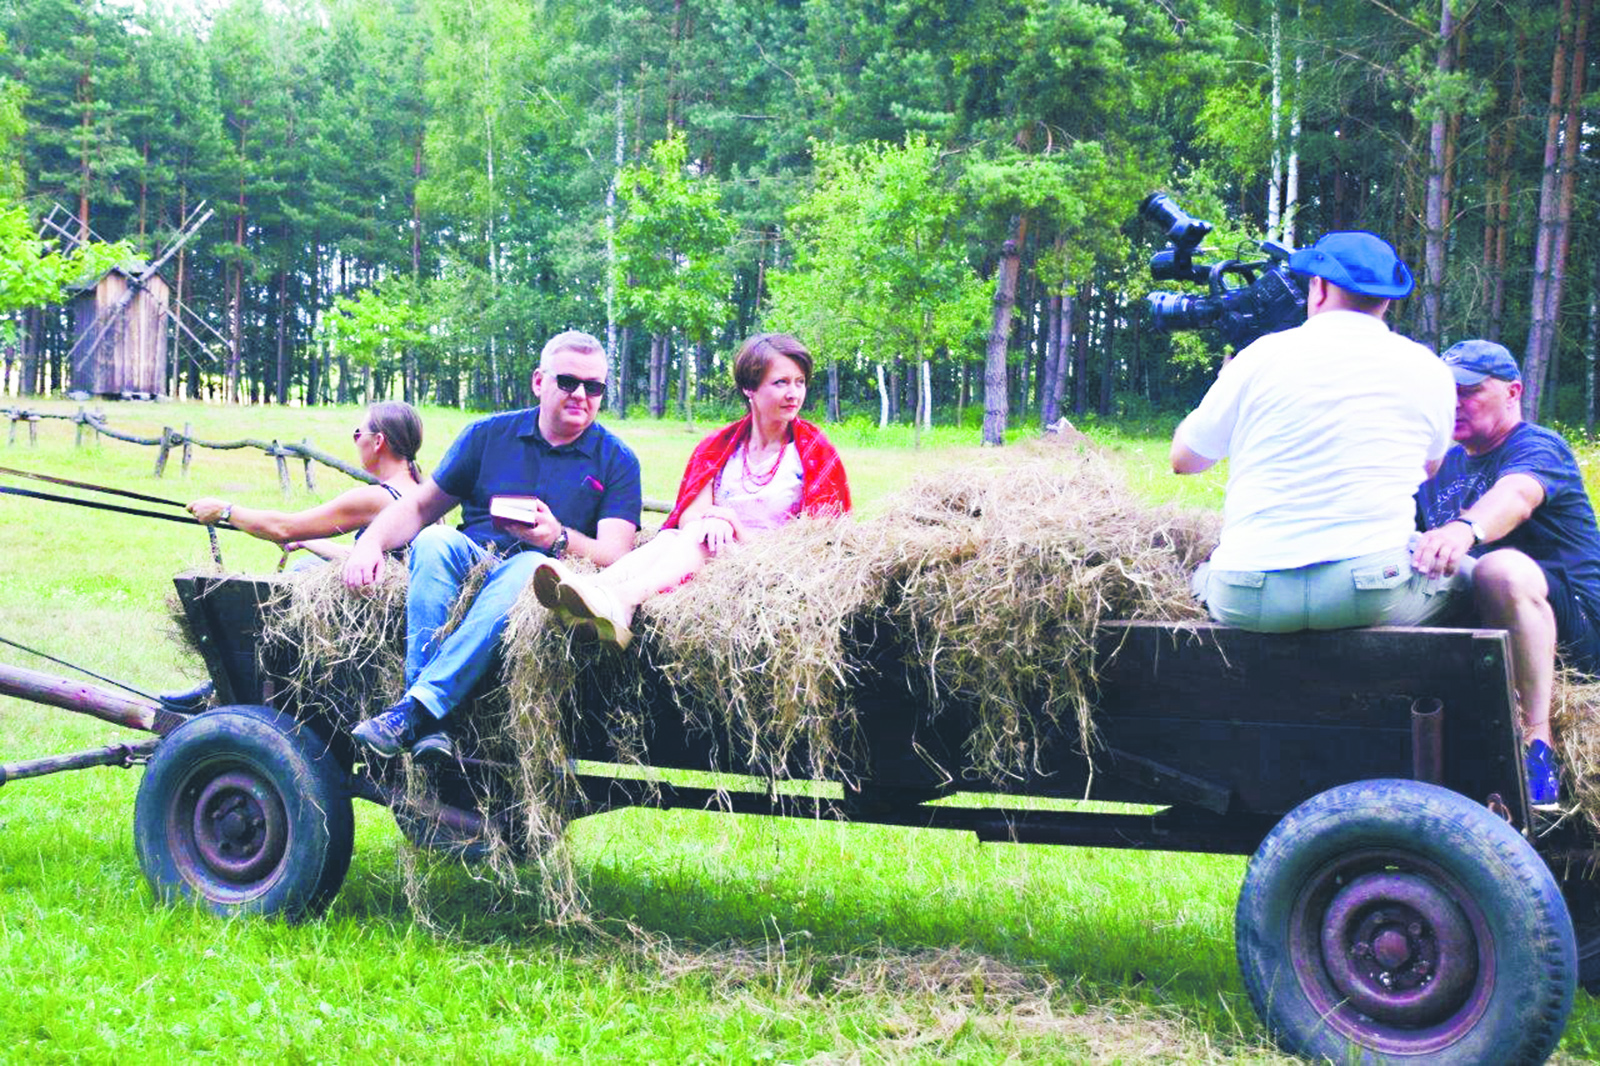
x=1472 y=361
x=1362 y=262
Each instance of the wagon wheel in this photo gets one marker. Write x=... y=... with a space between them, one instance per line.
x=246 y=810
x=1397 y=919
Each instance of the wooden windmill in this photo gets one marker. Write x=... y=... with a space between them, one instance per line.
x=119 y=343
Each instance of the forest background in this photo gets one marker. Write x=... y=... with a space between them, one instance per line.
x=939 y=196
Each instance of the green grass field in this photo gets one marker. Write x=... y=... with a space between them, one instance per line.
x=719 y=938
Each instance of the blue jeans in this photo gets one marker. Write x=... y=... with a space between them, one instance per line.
x=439 y=675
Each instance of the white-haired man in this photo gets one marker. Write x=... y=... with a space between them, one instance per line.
x=585 y=484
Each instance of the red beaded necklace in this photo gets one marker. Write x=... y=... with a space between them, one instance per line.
x=753 y=479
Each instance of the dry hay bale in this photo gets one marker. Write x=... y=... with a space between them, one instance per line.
x=342 y=652
x=1575 y=721
x=1008 y=624
x=542 y=667
x=337 y=652
x=986 y=584
x=991 y=583
x=757 y=645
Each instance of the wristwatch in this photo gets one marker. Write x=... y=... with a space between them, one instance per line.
x=558 y=547
x=1477 y=530
x=227 y=513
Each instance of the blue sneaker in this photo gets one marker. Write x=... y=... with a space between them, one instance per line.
x=1544 y=783
x=434 y=748
x=394 y=730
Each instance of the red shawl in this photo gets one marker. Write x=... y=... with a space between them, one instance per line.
x=823 y=489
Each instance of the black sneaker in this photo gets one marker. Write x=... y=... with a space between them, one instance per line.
x=394 y=730
x=434 y=749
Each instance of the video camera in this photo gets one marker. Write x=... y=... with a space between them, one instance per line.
x=1264 y=297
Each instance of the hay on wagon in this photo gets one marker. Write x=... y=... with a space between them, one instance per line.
x=987 y=584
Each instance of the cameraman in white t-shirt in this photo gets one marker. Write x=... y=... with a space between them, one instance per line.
x=1329 y=428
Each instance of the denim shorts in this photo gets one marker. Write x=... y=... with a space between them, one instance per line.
x=1577 y=630
x=1379 y=589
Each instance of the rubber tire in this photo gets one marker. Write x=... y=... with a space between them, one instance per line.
x=1431 y=836
x=285 y=764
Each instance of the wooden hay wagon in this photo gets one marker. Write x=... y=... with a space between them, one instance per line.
x=1401 y=899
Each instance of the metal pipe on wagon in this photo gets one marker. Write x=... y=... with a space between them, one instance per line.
x=1427 y=740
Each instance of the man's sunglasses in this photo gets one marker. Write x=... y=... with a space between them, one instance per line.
x=571 y=383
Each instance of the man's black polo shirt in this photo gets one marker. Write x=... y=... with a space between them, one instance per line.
x=594 y=477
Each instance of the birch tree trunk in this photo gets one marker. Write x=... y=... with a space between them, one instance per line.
x=833 y=391
x=613 y=356
x=1274 y=191
x=1291 y=181
x=619 y=397
x=994 y=368
x=883 y=400
x=927 y=395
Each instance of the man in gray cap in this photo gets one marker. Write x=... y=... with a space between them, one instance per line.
x=1329 y=428
x=1510 y=495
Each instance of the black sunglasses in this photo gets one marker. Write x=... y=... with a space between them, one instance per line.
x=571 y=383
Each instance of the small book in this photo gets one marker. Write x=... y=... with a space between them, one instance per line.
x=520 y=509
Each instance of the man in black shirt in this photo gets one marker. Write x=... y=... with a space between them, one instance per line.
x=1511 y=497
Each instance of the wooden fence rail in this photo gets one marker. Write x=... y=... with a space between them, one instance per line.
x=169 y=438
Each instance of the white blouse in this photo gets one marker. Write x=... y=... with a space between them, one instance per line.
x=761 y=506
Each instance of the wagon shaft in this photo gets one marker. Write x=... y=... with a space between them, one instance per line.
x=81 y=698
x=111 y=755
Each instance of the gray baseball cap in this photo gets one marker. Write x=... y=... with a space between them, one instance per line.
x=1472 y=361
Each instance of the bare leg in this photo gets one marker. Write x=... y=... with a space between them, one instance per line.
x=1512 y=594
x=661 y=564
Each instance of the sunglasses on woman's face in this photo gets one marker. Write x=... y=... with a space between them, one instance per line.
x=359 y=433
x=571 y=383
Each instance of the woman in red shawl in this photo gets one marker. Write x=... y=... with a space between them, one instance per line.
x=752 y=476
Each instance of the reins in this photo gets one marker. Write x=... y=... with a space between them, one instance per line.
x=50 y=497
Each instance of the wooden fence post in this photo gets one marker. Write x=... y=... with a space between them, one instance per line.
x=99 y=420
x=311 y=484
x=283 y=467
x=77 y=437
x=33 y=430
x=188 y=447
x=166 y=446
x=12 y=437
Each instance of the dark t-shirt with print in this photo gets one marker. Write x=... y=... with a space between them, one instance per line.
x=1561 y=533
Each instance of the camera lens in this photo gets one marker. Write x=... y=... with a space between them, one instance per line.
x=1174 y=310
